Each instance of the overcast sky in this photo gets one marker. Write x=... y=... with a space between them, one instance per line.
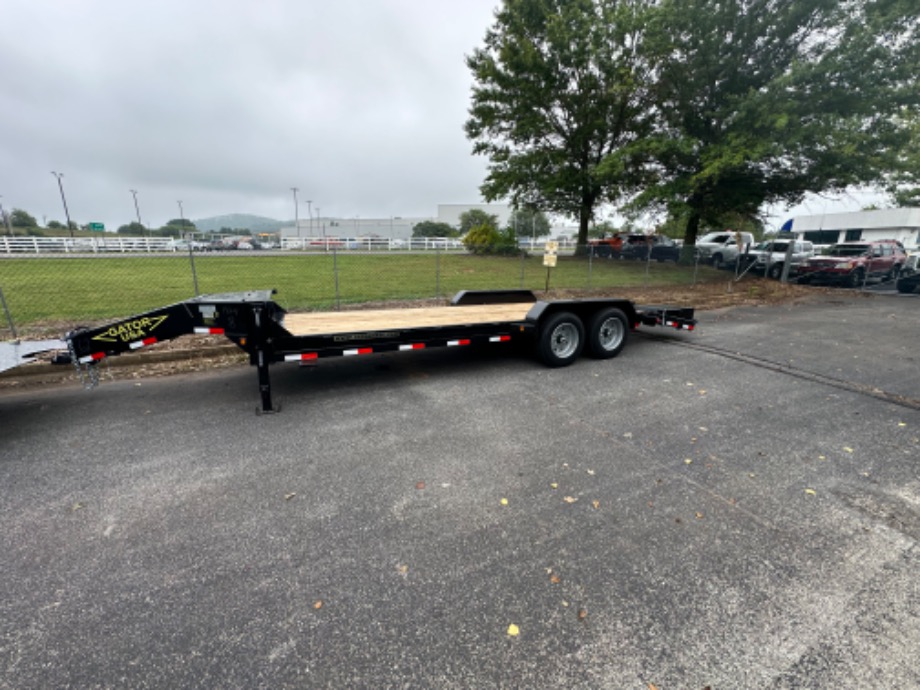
x=225 y=105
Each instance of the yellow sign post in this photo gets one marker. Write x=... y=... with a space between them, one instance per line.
x=549 y=258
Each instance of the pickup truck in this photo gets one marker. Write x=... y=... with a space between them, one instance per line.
x=853 y=263
x=769 y=257
x=722 y=248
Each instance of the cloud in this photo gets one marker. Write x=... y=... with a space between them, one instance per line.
x=227 y=105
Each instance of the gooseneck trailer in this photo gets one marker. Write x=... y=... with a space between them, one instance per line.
x=560 y=330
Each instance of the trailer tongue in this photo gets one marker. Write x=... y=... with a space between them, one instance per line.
x=561 y=330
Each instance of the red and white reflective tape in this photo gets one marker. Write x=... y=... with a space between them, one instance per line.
x=455 y=343
x=137 y=344
x=412 y=346
x=209 y=331
x=303 y=357
x=499 y=338
x=95 y=357
x=357 y=351
x=679 y=326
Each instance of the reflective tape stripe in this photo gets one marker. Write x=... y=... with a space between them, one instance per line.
x=303 y=357
x=412 y=346
x=137 y=344
x=454 y=343
x=95 y=357
x=209 y=331
x=499 y=338
x=357 y=351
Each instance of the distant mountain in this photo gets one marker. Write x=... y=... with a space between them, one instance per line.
x=241 y=221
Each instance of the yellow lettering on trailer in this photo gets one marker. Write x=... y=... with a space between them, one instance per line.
x=129 y=331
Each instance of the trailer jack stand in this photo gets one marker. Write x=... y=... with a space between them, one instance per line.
x=265 y=386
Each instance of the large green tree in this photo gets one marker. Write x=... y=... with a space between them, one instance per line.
x=529 y=222
x=475 y=218
x=763 y=101
x=559 y=86
x=22 y=219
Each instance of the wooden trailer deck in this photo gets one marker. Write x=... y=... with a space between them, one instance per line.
x=328 y=323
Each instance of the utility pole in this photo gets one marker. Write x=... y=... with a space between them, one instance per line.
x=296 y=212
x=310 y=216
x=64 y=200
x=137 y=209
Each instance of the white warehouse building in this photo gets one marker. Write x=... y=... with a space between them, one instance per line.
x=902 y=224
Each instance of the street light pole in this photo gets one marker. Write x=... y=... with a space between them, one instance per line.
x=310 y=216
x=137 y=209
x=296 y=212
x=64 y=200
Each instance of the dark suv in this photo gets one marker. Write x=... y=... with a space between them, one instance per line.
x=852 y=263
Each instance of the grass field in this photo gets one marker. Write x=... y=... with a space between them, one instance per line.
x=42 y=290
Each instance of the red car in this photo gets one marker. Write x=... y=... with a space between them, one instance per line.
x=853 y=263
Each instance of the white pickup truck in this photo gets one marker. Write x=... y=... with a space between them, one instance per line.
x=722 y=248
x=769 y=257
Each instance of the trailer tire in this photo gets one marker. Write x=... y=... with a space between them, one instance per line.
x=561 y=339
x=607 y=333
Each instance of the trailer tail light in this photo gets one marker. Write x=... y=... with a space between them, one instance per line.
x=679 y=326
x=209 y=331
x=302 y=357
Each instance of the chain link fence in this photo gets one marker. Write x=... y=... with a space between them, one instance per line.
x=48 y=292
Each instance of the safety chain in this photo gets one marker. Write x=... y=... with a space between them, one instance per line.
x=88 y=373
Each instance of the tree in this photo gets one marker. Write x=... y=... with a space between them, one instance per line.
x=133 y=228
x=475 y=218
x=763 y=101
x=560 y=86
x=177 y=227
x=528 y=222
x=55 y=225
x=21 y=219
x=430 y=228
x=487 y=239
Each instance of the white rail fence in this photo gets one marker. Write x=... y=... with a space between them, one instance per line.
x=147 y=245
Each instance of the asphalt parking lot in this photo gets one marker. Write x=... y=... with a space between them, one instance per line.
x=737 y=507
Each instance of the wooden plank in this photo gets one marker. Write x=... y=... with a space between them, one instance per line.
x=327 y=323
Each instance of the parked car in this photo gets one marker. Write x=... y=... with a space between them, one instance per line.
x=909 y=284
x=722 y=248
x=608 y=247
x=769 y=257
x=655 y=247
x=853 y=263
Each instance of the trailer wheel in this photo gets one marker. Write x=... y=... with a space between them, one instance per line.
x=561 y=339
x=607 y=333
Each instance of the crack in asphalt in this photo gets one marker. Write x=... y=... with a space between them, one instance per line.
x=789 y=370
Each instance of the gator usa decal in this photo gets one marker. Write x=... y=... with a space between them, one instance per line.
x=128 y=331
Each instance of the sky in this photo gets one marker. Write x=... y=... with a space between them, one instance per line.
x=224 y=106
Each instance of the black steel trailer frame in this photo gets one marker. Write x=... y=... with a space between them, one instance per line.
x=560 y=329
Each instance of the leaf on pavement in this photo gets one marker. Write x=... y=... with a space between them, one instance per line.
x=513 y=630
x=570 y=499
x=420 y=485
x=811 y=492
x=596 y=504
